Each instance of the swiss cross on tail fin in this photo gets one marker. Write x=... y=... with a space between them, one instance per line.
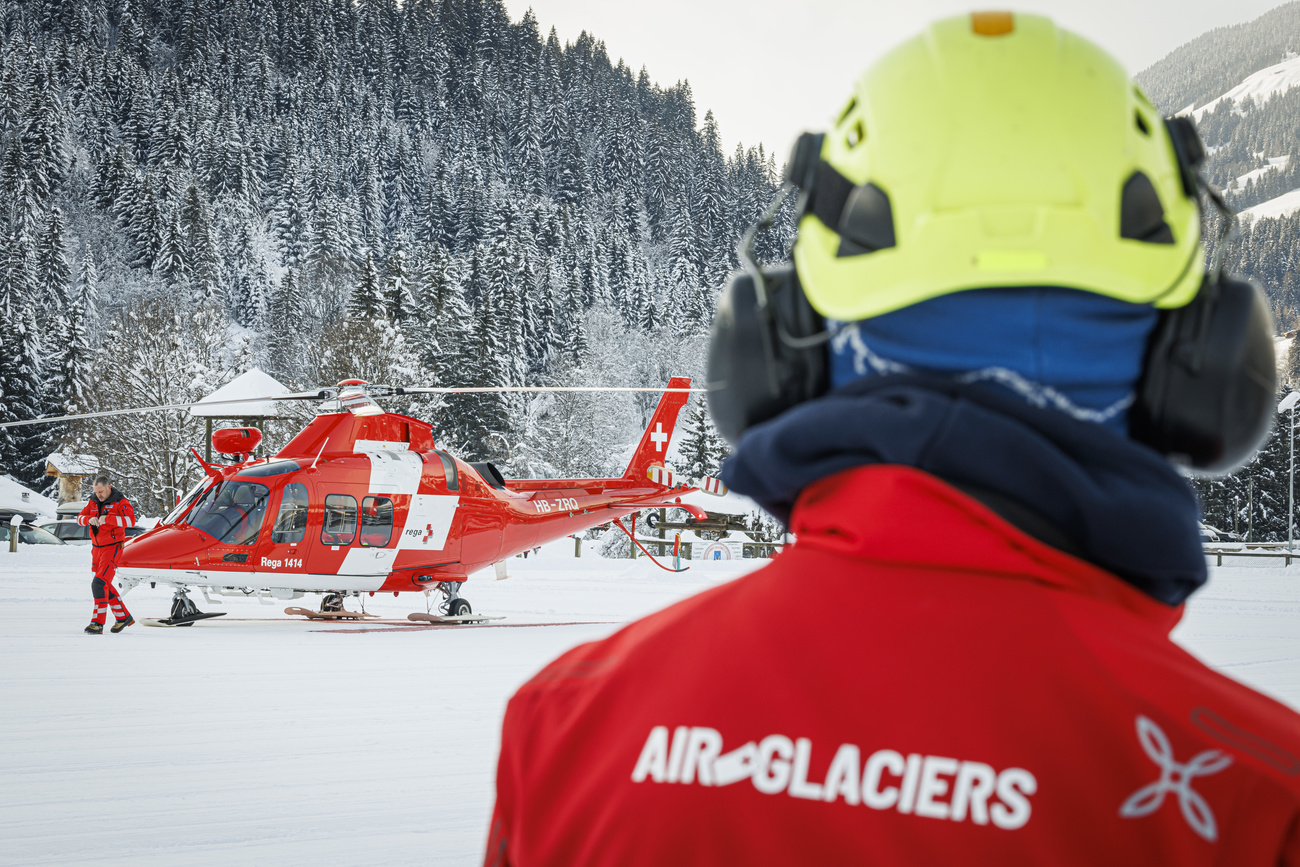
x=653 y=447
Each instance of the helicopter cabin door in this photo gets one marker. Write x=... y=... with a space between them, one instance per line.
x=353 y=549
x=284 y=549
x=231 y=512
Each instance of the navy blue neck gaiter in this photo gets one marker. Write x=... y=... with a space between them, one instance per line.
x=1099 y=495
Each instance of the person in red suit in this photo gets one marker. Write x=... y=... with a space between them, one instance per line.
x=965 y=656
x=108 y=515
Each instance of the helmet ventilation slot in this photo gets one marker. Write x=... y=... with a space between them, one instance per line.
x=1141 y=216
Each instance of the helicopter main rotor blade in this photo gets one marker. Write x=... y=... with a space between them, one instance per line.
x=325 y=394
x=535 y=388
x=306 y=395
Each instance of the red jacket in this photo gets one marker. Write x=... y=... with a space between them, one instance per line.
x=915 y=682
x=118 y=515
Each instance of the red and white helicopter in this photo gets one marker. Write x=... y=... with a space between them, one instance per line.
x=364 y=501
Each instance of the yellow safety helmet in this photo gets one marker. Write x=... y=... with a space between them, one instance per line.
x=996 y=149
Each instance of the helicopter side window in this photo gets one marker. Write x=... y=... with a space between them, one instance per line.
x=376 y=521
x=291 y=523
x=231 y=511
x=340 y=520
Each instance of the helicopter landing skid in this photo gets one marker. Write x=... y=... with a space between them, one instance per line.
x=438 y=618
x=328 y=615
x=182 y=621
x=184 y=612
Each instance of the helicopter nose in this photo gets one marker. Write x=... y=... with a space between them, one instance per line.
x=164 y=547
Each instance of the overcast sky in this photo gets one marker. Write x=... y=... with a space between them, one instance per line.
x=771 y=69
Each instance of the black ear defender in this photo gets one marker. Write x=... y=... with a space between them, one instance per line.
x=1209 y=381
x=1205 y=397
x=1206 y=394
x=767 y=352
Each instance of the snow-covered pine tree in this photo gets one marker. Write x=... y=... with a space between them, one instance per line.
x=366 y=303
x=1254 y=497
x=398 y=303
x=170 y=262
x=22 y=449
x=146 y=228
x=702 y=449
x=73 y=375
x=200 y=248
x=53 y=273
x=56 y=322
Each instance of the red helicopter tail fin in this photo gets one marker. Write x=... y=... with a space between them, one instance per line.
x=653 y=448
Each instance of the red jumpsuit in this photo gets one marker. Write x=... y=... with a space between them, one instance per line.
x=915 y=682
x=107 y=540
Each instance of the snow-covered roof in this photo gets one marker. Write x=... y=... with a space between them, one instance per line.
x=73 y=465
x=245 y=387
x=1287 y=203
x=1277 y=78
x=18 y=498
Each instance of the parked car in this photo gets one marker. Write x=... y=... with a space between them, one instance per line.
x=29 y=535
x=70 y=511
x=1212 y=535
x=73 y=533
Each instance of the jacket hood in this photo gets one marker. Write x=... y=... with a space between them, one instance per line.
x=1080 y=487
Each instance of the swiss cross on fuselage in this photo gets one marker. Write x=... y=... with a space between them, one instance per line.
x=659 y=437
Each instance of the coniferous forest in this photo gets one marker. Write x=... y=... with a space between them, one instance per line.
x=407 y=193
x=429 y=193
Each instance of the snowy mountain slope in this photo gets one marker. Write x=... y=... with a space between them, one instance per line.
x=1216 y=61
x=1259 y=86
x=1255 y=174
x=1281 y=206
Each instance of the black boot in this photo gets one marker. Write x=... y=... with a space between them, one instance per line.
x=122 y=624
x=95 y=628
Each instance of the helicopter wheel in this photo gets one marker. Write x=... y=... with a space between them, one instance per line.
x=183 y=607
x=458 y=607
x=332 y=602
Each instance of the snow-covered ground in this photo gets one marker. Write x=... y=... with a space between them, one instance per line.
x=257 y=739
x=260 y=739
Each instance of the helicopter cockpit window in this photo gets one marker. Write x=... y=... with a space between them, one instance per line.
x=291 y=523
x=340 y=520
x=376 y=521
x=271 y=468
x=231 y=511
x=183 y=506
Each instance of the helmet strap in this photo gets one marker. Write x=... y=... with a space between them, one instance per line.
x=756 y=272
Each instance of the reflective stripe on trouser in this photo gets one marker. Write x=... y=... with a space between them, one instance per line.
x=101 y=586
